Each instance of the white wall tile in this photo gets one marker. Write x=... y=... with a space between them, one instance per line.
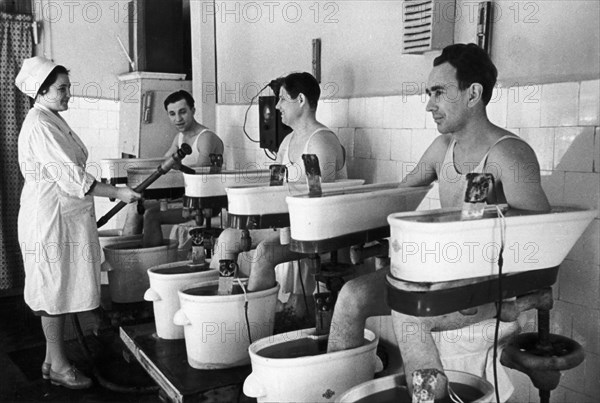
x=112 y=119
x=336 y=111
x=362 y=168
x=571 y=380
x=346 y=136
x=380 y=144
x=592 y=370
x=553 y=183
x=585 y=328
x=401 y=144
x=420 y=141
x=574 y=149
x=523 y=106
x=497 y=108
x=392 y=112
x=356 y=112
x=413 y=112
x=582 y=189
x=98 y=119
x=79 y=118
x=587 y=248
x=542 y=142
x=575 y=279
x=589 y=103
x=362 y=143
x=374 y=112
x=561 y=317
x=560 y=104
x=385 y=171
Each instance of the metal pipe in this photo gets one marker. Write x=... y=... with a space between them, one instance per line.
x=161 y=170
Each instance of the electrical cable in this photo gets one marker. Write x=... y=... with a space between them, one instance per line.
x=272 y=158
x=499 y=307
x=101 y=380
x=248 y=110
x=245 y=308
x=302 y=285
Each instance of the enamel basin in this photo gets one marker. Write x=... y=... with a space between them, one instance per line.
x=348 y=211
x=436 y=245
x=204 y=184
x=250 y=200
x=114 y=170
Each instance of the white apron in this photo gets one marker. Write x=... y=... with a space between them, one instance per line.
x=57 y=225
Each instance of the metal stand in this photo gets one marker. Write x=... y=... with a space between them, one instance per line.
x=542 y=356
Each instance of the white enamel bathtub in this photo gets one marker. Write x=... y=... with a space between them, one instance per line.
x=209 y=185
x=436 y=246
x=260 y=200
x=349 y=211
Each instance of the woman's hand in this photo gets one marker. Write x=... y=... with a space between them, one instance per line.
x=127 y=195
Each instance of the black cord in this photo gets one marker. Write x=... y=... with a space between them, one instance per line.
x=247 y=320
x=101 y=380
x=302 y=285
x=248 y=110
x=272 y=158
x=498 y=310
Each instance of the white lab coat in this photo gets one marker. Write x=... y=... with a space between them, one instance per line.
x=57 y=224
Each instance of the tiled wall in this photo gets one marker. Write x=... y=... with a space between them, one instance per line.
x=96 y=122
x=383 y=136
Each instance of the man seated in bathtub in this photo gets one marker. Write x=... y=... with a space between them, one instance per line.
x=180 y=107
x=298 y=98
x=459 y=88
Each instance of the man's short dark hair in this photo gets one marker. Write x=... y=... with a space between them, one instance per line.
x=178 y=96
x=304 y=83
x=473 y=65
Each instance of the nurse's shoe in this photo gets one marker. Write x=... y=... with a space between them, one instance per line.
x=46 y=370
x=72 y=379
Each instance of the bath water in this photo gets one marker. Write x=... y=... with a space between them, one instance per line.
x=400 y=394
x=213 y=290
x=185 y=269
x=302 y=347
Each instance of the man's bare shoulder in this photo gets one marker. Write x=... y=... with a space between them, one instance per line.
x=512 y=148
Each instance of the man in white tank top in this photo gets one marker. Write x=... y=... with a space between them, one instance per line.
x=298 y=99
x=459 y=86
x=180 y=107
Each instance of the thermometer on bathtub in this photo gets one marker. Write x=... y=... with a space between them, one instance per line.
x=228 y=270
x=479 y=186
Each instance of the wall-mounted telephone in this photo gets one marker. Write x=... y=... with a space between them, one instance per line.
x=271 y=129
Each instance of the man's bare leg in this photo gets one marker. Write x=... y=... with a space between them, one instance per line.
x=359 y=299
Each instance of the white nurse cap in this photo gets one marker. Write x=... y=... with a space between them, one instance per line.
x=33 y=73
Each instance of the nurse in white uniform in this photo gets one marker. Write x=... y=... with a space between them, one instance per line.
x=57 y=225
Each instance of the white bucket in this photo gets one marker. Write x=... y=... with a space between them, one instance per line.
x=165 y=281
x=127 y=263
x=299 y=377
x=215 y=326
x=112 y=236
x=392 y=388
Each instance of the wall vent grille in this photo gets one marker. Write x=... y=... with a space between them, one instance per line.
x=428 y=25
